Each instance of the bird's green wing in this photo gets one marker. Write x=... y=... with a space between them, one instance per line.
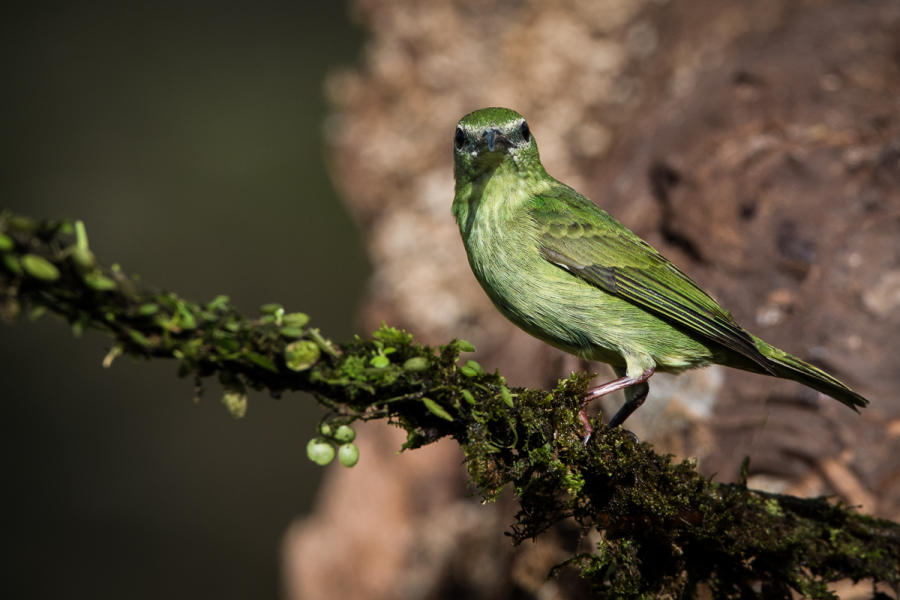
x=581 y=238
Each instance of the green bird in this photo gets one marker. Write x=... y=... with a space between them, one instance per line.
x=568 y=273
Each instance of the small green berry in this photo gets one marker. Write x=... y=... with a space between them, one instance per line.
x=344 y=434
x=320 y=451
x=301 y=355
x=348 y=454
x=325 y=429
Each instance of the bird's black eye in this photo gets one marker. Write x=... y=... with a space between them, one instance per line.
x=459 y=140
x=526 y=133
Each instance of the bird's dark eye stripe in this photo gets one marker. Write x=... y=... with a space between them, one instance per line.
x=526 y=132
x=459 y=140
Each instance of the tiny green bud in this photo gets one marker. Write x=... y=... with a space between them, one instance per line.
x=301 y=355
x=379 y=361
x=81 y=240
x=507 y=396
x=297 y=319
x=12 y=263
x=436 y=409
x=261 y=361
x=78 y=328
x=39 y=267
x=348 y=454
x=186 y=319
x=271 y=308
x=25 y=224
x=218 y=303
x=148 y=309
x=236 y=403
x=320 y=451
x=464 y=346
x=471 y=369
x=139 y=338
x=468 y=397
x=325 y=345
x=99 y=281
x=344 y=434
x=113 y=353
x=83 y=257
x=291 y=332
x=6 y=242
x=416 y=363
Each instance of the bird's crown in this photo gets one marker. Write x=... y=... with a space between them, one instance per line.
x=490 y=117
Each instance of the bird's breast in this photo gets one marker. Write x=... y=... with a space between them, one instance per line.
x=537 y=296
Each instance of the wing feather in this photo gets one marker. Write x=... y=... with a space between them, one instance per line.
x=578 y=236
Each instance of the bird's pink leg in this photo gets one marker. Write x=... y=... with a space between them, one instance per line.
x=629 y=407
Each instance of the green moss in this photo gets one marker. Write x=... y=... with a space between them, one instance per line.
x=391 y=336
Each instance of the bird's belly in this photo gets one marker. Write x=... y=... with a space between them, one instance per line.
x=573 y=315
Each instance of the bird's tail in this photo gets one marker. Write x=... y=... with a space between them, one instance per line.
x=790 y=367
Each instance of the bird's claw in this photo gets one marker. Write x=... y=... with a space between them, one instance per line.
x=588 y=428
x=630 y=434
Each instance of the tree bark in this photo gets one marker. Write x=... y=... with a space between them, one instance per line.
x=754 y=144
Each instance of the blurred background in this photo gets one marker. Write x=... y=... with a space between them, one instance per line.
x=757 y=145
x=189 y=138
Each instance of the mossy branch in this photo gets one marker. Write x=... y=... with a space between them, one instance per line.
x=665 y=528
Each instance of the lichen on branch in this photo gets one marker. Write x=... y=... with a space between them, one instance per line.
x=665 y=528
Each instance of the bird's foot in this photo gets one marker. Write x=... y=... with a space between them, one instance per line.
x=634 y=399
x=630 y=434
x=588 y=428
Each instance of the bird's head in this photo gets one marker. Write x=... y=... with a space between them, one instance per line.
x=489 y=137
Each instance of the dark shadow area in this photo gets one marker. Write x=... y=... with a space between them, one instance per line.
x=189 y=139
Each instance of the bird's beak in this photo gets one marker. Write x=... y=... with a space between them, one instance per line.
x=494 y=139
